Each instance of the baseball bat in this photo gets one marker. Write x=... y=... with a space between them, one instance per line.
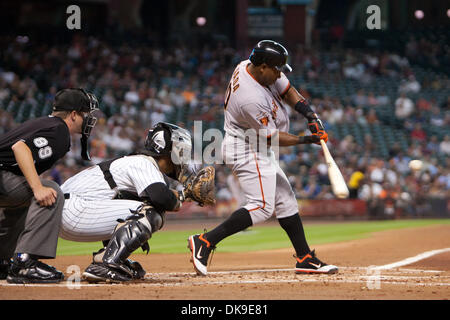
x=337 y=181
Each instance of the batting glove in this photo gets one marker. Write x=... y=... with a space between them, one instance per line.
x=317 y=129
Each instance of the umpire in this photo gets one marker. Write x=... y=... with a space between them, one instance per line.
x=31 y=208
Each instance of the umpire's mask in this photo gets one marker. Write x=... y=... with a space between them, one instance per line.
x=169 y=139
x=81 y=101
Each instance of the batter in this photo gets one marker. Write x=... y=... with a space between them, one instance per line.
x=255 y=112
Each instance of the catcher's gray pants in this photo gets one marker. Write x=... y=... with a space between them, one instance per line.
x=25 y=226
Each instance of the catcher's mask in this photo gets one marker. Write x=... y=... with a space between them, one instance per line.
x=168 y=139
x=81 y=101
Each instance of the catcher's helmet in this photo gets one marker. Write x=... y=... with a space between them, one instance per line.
x=168 y=139
x=271 y=53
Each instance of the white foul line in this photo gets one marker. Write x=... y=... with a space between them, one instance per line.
x=410 y=260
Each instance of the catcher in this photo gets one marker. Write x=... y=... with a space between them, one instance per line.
x=123 y=201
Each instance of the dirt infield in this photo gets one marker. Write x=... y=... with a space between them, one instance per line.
x=268 y=275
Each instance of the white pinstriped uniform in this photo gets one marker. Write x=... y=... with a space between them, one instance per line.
x=91 y=213
x=249 y=105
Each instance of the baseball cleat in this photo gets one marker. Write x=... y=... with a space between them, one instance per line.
x=32 y=271
x=200 y=250
x=136 y=268
x=97 y=272
x=309 y=263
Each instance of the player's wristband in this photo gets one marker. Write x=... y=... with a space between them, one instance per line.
x=302 y=106
x=308 y=139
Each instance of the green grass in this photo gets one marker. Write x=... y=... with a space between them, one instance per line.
x=260 y=237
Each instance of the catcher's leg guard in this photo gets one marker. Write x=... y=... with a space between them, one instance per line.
x=129 y=237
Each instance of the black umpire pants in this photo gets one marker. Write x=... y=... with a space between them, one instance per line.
x=25 y=226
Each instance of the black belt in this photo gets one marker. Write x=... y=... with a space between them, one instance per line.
x=66 y=195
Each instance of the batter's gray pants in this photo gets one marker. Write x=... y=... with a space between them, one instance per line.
x=25 y=226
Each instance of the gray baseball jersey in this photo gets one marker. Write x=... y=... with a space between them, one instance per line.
x=251 y=106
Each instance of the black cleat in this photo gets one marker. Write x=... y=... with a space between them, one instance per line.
x=137 y=271
x=309 y=263
x=133 y=268
x=200 y=249
x=98 y=272
x=32 y=271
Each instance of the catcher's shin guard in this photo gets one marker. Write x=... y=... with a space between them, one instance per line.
x=125 y=240
x=129 y=237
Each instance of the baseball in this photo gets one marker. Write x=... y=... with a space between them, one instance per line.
x=415 y=165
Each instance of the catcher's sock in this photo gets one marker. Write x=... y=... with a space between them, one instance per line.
x=294 y=229
x=238 y=221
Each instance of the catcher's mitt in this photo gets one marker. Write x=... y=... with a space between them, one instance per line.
x=200 y=188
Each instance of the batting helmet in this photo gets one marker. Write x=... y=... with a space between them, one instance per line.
x=271 y=53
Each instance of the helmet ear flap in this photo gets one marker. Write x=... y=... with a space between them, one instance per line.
x=158 y=141
x=256 y=58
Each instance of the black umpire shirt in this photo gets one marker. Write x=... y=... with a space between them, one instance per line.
x=47 y=137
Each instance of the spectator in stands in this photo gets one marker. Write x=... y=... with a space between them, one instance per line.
x=436 y=118
x=372 y=101
x=372 y=117
x=376 y=171
x=412 y=48
x=157 y=116
x=446 y=104
x=188 y=94
x=411 y=85
x=404 y=107
x=444 y=146
x=388 y=197
x=108 y=99
x=222 y=190
x=132 y=95
x=432 y=146
x=390 y=175
x=128 y=110
x=6 y=121
x=356 y=181
x=444 y=178
x=176 y=98
x=423 y=104
x=360 y=98
x=311 y=190
x=418 y=134
x=346 y=144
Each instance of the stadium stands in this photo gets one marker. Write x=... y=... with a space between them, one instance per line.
x=353 y=90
